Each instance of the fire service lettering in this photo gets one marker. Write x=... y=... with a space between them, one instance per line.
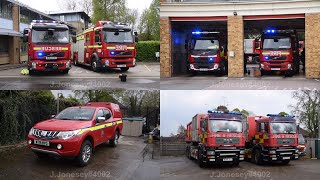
x=51 y=48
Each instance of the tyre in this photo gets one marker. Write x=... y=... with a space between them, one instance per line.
x=188 y=152
x=114 y=142
x=124 y=69
x=32 y=72
x=236 y=163
x=75 y=62
x=85 y=153
x=285 y=162
x=257 y=157
x=262 y=72
x=200 y=159
x=65 y=71
x=41 y=155
x=95 y=66
x=289 y=73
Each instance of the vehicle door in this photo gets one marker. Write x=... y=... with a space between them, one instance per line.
x=100 y=126
x=111 y=124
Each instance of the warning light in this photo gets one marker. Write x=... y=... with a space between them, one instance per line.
x=196 y=32
x=112 y=53
x=40 y=54
x=211 y=59
x=267 y=58
x=271 y=31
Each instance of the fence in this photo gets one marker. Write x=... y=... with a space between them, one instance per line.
x=172 y=149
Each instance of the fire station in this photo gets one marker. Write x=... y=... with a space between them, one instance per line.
x=236 y=20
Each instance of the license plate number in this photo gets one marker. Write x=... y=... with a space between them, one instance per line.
x=42 y=143
x=228 y=159
x=51 y=58
x=275 y=69
x=120 y=66
x=286 y=157
x=203 y=69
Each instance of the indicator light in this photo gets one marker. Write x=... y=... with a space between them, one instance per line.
x=40 y=54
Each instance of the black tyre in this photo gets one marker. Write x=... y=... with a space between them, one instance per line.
x=124 y=69
x=41 y=155
x=95 y=65
x=115 y=140
x=85 y=153
x=257 y=157
x=285 y=162
x=65 y=71
x=32 y=72
x=75 y=62
x=262 y=72
x=200 y=159
x=236 y=163
x=289 y=73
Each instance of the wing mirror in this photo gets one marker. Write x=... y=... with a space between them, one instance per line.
x=101 y=119
x=53 y=116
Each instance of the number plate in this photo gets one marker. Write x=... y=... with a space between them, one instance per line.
x=275 y=69
x=42 y=143
x=286 y=158
x=228 y=159
x=51 y=58
x=120 y=66
x=203 y=69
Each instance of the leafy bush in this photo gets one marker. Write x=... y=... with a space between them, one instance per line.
x=146 y=51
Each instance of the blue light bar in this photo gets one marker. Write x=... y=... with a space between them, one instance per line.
x=196 y=32
x=221 y=112
x=40 y=54
x=215 y=112
x=278 y=115
x=271 y=31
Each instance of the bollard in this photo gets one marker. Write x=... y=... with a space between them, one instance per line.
x=123 y=77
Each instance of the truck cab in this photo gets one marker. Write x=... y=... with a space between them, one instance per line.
x=279 y=51
x=216 y=138
x=204 y=53
x=49 y=46
x=76 y=131
x=272 y=138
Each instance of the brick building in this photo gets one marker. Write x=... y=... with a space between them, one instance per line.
x=235 y=18
x=14 y=18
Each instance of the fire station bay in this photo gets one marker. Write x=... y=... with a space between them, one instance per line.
x=273 y=34
x=15 y=17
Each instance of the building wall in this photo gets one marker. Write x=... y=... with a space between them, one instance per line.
x=132 y=128
x=312 y=45
x=165 y=50
x=6 y=23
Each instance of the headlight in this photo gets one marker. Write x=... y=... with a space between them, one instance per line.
x=210 y=153
x=297 y=150
x=67 y=134
x=216 y=66
x=262 y=66
x=191 y=66
x=272 y=152
x=242 y=152
x=68 y=64
x=289 y=66
x=107 y=62
x=134 y=61
x=31 y=131
x=34 y=65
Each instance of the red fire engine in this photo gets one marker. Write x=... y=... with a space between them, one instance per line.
x=107 y=45
x=270 y=139
x=215 y=138
x=251 y=54
x=204 y=53
x=76 y=131
x=279 y=51
x=49 y=46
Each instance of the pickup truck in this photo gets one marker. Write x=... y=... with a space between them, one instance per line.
x=76 y=131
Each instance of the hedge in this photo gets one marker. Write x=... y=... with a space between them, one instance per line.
x=146 y=51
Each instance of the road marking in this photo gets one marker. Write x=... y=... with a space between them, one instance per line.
x=147 y=68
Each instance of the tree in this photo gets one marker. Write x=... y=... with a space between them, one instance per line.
x=244 y=112
x=149 y=26
x=181 y=129
x=283 y=114
x=307 y=109
x=222 y=108
x=76 y=5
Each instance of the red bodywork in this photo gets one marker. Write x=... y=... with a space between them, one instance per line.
x=54 y=57
x=98 y=132
x=109 y=55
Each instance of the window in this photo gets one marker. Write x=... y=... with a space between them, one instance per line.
x=266 y=127
x=99 y=114
x=5 y=10
x=23 y=47
x=4 y=45
x=107 y=114
x=87 y=35
x=97 y=38
x=61 y=18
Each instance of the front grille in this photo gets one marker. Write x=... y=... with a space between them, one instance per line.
x=45 y=134
x=227 y=140
x=123 y=53
x=54 y=54
x=277 y=57
x=201 y=60
x=285 y=141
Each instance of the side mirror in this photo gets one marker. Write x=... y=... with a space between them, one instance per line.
x=135 y=33
x=257 y=45
x=52 y=116
x=108 y=116
x=25 y=31
x=74 y=39
x=101 y=119
x=136 y=38
x=25 y=38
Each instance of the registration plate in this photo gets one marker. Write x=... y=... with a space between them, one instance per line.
x=120 y=66
x=286 y=157
x=42 y=143
x=203 y=69
x=228 y=159
x=275 y=69
x=51 y=58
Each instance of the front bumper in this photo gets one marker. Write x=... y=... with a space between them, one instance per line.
x=118 y=63
x=209 y=67
x=276 y=66
x=70 y=147
x=224 y=156
x=59 y=65
x=280 y=155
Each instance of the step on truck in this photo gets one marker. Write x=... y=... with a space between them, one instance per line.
x=271 y=139
x=48 y=47
x=107 y=45
x=279 y=52
x=204 y=53
x=76 y=131
x=215 y=138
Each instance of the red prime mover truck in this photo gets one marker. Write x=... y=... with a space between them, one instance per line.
x=270 y=139
x=279 y=51
x=105 y=46
x=49 y=46
x=76 y=131
x=215 y=138
x=204 y=53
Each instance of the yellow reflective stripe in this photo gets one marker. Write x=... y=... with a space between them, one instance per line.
x=285 y=53
x=130 y=48
x=88 y=30
x=37 y=48
x=96 y=46
x=265 y=53
x=81 y=37
x=119 y=122
x=100 y=127
x=64 y=49
x=111 y=47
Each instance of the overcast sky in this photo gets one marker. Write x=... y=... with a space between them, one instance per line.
x=178 y=107
x=52 y=5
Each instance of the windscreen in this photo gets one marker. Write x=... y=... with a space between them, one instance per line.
x=121 y=37
x=277 y=44
x=225 y=126
x=283 y=128
x=50 y=36
x=206 y=45
x=81 y=114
